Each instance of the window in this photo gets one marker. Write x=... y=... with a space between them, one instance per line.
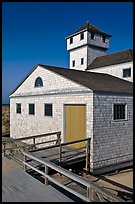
x=31 y=109
x=104 y=39
x=92 y=36
x=48 y=109
x=82 y=60
x=127 y=72
x=71 y=40
x=73 y=63
x=38 y=82
x=18 y=108
x=81 y=36
x=119 y=111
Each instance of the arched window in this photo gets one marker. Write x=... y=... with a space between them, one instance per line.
x=38 y=82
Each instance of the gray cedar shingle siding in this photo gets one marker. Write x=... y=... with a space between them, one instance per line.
x=112 y=140
x=112 y=59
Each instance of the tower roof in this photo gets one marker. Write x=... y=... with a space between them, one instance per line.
x=91 y=28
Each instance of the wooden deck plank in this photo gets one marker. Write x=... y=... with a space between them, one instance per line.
x=19 y=186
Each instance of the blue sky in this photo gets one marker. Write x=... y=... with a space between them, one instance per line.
x=34 y=32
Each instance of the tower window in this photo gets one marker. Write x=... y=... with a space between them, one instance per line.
x=82 y=60
x=92 y=36
x=38 y=82
x=81 y=36
x=127 y=72
x=73 y=63
x=104 y=39
x=71 y=40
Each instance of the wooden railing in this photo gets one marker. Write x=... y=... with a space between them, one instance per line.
x=94 y=191
x=61 y=145
x=17 y=143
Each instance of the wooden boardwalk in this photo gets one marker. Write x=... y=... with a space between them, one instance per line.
x=70 y=156
x=18 y=186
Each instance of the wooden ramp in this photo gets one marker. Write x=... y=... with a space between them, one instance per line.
x=18 y=186
x=70 y=156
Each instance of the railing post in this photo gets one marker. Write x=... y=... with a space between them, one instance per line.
x=46 y=172
x=60 y=153
x=92 y=194
x=34 y=140
x=58 y=138
x=88 y=156
x=25 y=159
x=4 y=145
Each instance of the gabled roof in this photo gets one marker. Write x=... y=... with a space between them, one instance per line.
x=91 y=28
x=95 y=81
x=112 y=59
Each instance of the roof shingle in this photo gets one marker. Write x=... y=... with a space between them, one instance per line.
x=91 y=28
x=94 y=81
x=112 y=59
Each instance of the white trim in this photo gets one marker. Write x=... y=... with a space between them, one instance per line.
x=54 y=94
x=119 y=120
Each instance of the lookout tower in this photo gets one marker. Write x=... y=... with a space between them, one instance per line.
x=85 y=44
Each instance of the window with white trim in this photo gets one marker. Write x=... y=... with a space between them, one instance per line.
x=18 y=108
x=32 y=109
x=71 y=40
x=127 y=72
x=73 y=63
x=119 y=111
x=48 y=109
x=82 y=61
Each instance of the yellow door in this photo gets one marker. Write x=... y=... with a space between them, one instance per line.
x=75 y=127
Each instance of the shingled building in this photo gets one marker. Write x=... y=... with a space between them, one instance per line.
x=87 y=100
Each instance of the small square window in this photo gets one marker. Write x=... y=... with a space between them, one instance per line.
x=127 y=72
x=119 y=111
x=18 y=108
x=82 y=61
x=81 y=36
x=32 y=109
x=48 y=109
x=104 y=39
x=92 y=36
x=71 y=40
x=73 y=63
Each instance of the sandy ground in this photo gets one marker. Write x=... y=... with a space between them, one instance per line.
x=9 y=165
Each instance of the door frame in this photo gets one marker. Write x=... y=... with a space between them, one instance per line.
x=64 y=118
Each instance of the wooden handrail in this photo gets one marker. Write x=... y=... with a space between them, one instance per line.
x=62 y=144
x=89 y=185
x=18 y=140
x=31 y=137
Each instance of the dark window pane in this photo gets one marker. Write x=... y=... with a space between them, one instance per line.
x=71 y=40
x=92 y=36
x=38 y=82
x=119 y=111
x=48 y=109
x=104 y=39
x=82 y=60
x=73 y=63
x=81 y=36
x=32 y=108
x=127 y=72
x=18 y=108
